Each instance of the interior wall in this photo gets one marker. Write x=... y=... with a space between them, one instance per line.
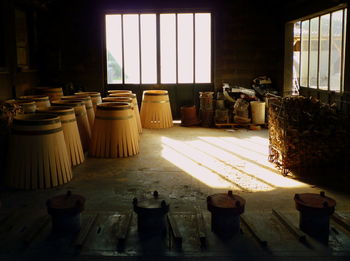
x=248 y=40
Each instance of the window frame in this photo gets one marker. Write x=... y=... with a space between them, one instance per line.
x=344 y=9
x=157 y=12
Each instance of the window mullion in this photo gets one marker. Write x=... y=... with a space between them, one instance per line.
x=177 y=52
x=342 y=55
x=329 y=51
x=318 y=52
x=301 y=50
x=158 y=47
x=123 y=69
x=308 y=56
x=194 y=48
x=140 y=51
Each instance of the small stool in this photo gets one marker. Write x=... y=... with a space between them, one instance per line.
x=86 y=99
x=95 y=97
x=136 y=106
x=70 y=131
x=114 y=133
x=155 y=110
x=38 y=155
x=82 y=119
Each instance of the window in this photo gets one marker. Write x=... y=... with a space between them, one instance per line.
x=165 y=48
x=319 y=51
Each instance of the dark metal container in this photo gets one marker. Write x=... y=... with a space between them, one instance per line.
x=315 y=211
x=225 y=213
x=151 y=214
x=65 y=213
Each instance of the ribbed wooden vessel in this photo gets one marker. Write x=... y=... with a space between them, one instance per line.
x=41 y=101
x=70 y=131
x=128 y=100
x=54 y=93
x=155 y=110
x=136 y=106
x=119 y=91
x=82 y=120
x=38 y=155
x=86 y=99
x=27 y=106
x=95 y=98
x=114 y=134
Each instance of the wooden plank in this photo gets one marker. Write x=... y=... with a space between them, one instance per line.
x=249 y=224
x=123 y=230
x=175 y=230
x=84 y=231
x=36 y=229
x=341 y=220
x=202 y=235
x=301 y=236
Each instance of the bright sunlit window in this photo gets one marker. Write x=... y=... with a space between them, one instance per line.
x=172 y=48
x=319 y=51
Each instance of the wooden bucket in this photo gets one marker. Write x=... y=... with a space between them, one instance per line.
x=54 y=93
x=119 y=91
x=136 y=106
x=124 y=99
x=155 y=110
x=86 y=99
x=95 y=97
x=26 y=106
x=82 y=120
x=70 y=131
x=114 y=134
x=41 y=101
x=38 y=155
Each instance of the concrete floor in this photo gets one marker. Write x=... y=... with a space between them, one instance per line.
x=187 y=165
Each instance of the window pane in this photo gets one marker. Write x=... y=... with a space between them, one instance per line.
x=185 y=48
x=324 y=52
x=131 y=49
x=336 y=47
x=114 y=48
x=304 y=53
x=313 y=52
x=203 y=48
x=296 y=56
x=167 y=48
x=148 y=48
x=344 y=42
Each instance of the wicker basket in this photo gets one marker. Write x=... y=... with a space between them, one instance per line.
x=38 y=155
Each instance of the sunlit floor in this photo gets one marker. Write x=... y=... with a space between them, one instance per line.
x=186 y=165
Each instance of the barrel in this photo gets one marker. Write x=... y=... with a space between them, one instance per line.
x=119 y=91
x=70 y=131
x=155 y=110
x=26 y=106
x=38 y=155
x=82 y=119
x=54 y=93
x=113 y=134
x=258 y=112
x=95 y=97
x=136 y=106
x=189 y=116
x=41 y=101
x=86 y=99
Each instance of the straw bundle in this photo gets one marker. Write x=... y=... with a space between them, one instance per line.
x=82 y=119
x=136 y=106
x=41 y=101
x=155 y=110
x=95 y=97
x=114 y=133
x=38 y=154
x=86 y=99
x=70 y=131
